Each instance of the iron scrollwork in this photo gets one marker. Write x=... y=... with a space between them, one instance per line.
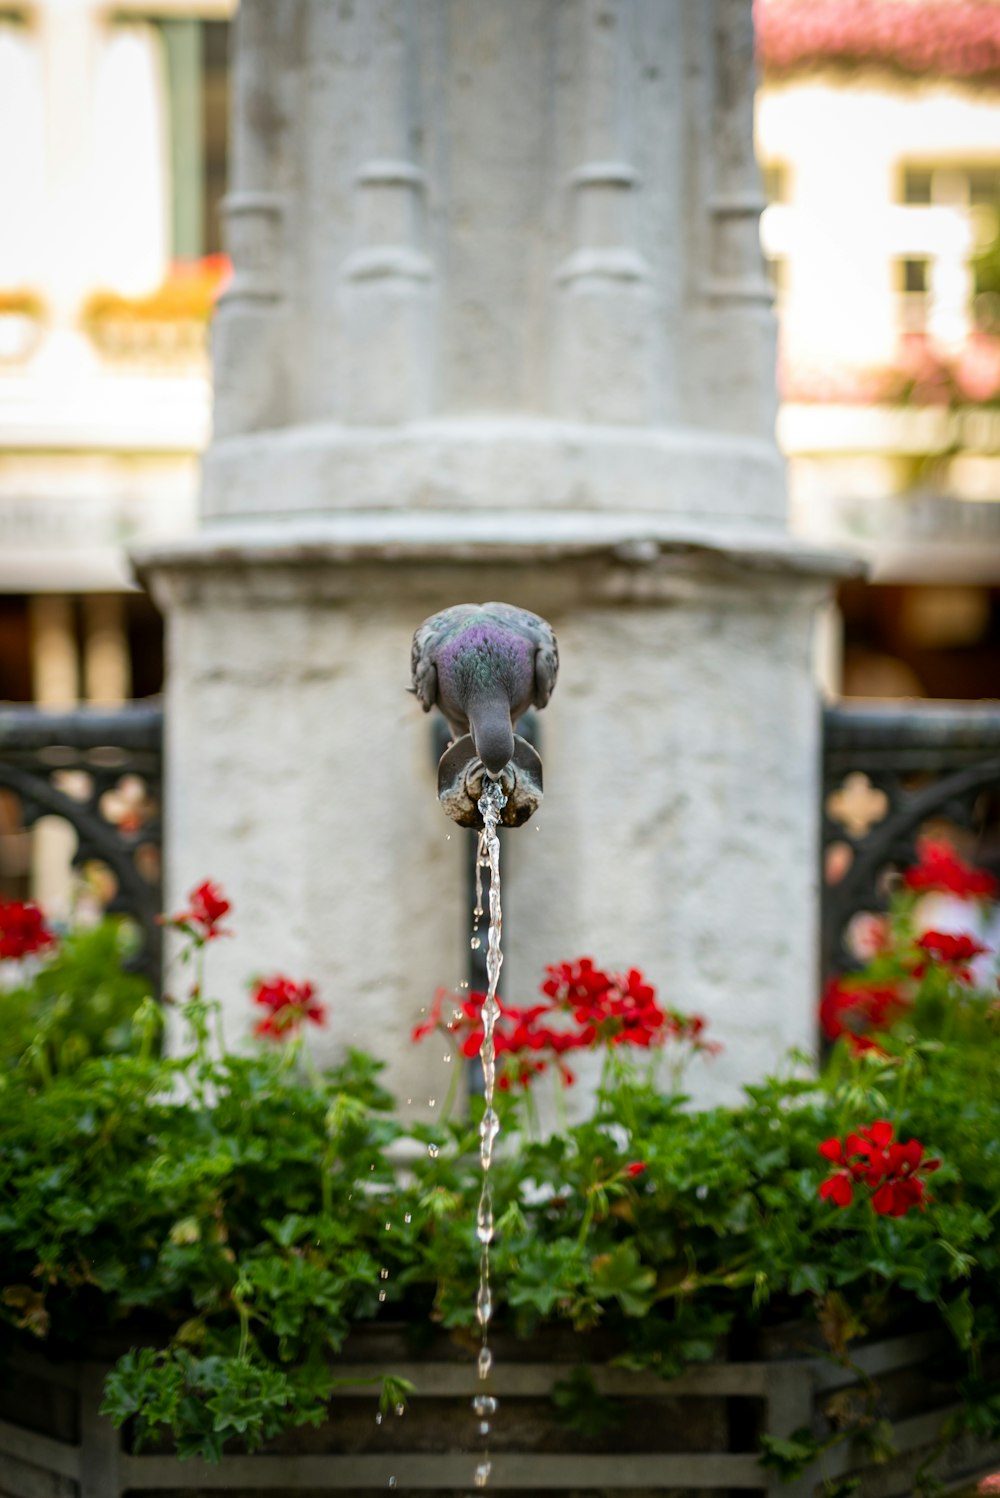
x=916 y=766
x=96 y=751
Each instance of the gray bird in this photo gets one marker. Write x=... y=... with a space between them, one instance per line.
x=483 y=665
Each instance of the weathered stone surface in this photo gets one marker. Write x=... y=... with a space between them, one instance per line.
x=498 y=330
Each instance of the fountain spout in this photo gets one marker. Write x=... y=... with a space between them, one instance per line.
x=483 y=666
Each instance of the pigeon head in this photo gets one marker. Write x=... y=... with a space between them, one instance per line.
x=486 y=676
x=484 y=665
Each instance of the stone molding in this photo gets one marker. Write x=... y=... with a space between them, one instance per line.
x=573 y=559
x=682 y=472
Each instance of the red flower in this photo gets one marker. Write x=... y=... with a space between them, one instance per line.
x=953 y=950
x=636 y=1168
x=571 y=983
x=891 y=1170
x=433 y=1020
x=288 y=1003
x=838 y=1189
x=940 y=869
x=863 y=1045
x=208 y=905
x=585 y=1006
x=851 y=1007
x=23 y=930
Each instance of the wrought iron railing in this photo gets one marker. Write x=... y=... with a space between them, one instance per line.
x=100 y=771
x=890 y=773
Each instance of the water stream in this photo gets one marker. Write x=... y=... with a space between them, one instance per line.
x=491 y=804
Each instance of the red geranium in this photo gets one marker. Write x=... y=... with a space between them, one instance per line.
x=954 y=951
x=891 y=1170
x=288 y=1004
x=854 y=1008
x=23 y=931
x=941 y=870
x=584 y=1007
x=207 y=907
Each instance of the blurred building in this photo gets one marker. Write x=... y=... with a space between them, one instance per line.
x=879 y=138
x=114 y=124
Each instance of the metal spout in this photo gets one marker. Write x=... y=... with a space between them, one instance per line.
x=460 y=783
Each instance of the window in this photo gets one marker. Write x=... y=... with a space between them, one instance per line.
x=917 y=185
x=777 y=273
x=196 y=56
x=915 y=278
x=914 y=283
x=775 y=181
x=970 y=188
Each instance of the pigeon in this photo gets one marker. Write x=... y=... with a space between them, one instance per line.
x=483 y=665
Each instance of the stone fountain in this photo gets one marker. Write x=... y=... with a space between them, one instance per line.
x=499 y=328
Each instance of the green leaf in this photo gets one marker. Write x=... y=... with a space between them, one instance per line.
x=620 y=1275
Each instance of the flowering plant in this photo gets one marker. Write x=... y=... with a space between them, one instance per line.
x=228 y=1217
x=583 y=1008
x=918 y=38
x=188 y=293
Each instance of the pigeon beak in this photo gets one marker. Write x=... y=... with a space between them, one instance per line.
x=493 y=735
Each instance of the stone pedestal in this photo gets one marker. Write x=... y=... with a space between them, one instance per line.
x=499 y=329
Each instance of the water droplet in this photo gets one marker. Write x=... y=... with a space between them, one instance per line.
x=701 y=1193
x=392 y=1482
x=464 y=983
x=475 y=943
x=432 y=1102
x=383 y=1274
x=371 y=1167
x=378 y=1418
x=484 y=1404
x=484 y=1427
x=409 y=1100
x=484 y=1219
x=485 y=1362
x=401 y=1409
x=381 y=1295
x=447 y=1057
x=407 y=1218
x=483 y=1474
x=433 y=1151
x=484 y=1305
x=388 y=1226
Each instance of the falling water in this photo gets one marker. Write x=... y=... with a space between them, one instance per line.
x=491 y=804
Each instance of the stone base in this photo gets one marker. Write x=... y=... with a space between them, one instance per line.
x=681 y=754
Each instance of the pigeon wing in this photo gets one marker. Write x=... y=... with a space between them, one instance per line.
x=423 y=669
x=546 y=665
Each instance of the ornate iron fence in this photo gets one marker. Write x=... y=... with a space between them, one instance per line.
x=890 y=773
x=100 y=771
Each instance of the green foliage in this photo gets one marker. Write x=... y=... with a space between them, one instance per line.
x=81 y=1002
x=233 y=1216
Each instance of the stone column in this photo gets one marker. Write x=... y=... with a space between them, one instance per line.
x=499 y=329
